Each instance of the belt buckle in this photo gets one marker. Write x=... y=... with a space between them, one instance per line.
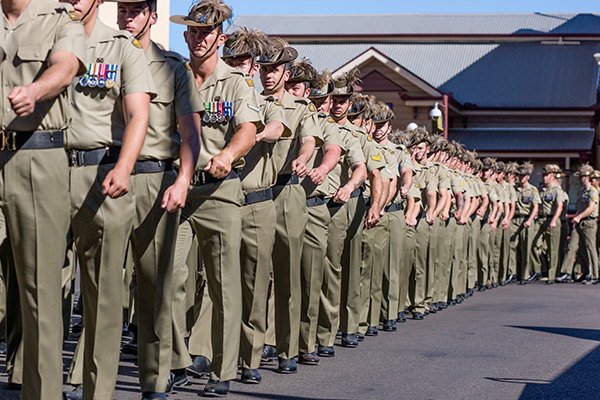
x=7 y=143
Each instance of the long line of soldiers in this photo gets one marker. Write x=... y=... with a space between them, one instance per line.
x=305 y=214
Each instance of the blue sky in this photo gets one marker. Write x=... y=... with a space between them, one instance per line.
x=382 y=6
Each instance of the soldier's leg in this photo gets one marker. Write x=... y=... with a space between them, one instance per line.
x=421 y=253
x=552 y=238
x=258 y=237
x=14 y=327
x=314 y=253
x=538 y=244
x=200 y=338
x=431 y=262
x=406 y=267
x=472 y=253
x=365 y=277
x=512 y=257
x=380 y=261
x=572 y=249
x=75 y=375
x=391 y=286
x=562 y=245
x=483 y=251
x=270 y=338
x=588 y=231
x=329 y=307
x=455 y=274
x=449 y=241
x=101 y=228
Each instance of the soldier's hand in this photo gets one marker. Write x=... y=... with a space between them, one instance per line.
x=175 y=196
x=552 y=224
x=480 y=212
x=342 y=195
x=429 y=217
x=410 y=221
x=444 y=215
x=260 y=136
x=527 y=224
x=299 y=168
x=22 y=100
x=505 y=223
x=372 y=218
x=575 y=219
x=404 y=192
x=493 y=227
x=317 y=175
x=218 y=166
x=116 y=183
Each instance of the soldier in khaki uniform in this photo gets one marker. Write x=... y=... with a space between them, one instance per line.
x=34 y=118
x=564 y=229
x=214 y=202
x=318 y=193
x=547 y=238
x=344 y=181
x=496 y=237
x=583 y=233
x=102 y=149
x=527 y=206
x=509 y=263
x=487 y=212
x=291 y=157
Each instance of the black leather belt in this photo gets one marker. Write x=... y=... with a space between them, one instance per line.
x=587 y=219
x=394 y=207
x=356 y=193
x=203 y=178
x=13 y=141
x=315 y=201
x=105 y=155
x=521 y=215
x=258 y=196
x=152 y=166
x=287 y=179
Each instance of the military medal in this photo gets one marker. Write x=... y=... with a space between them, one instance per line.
x=85 y=79
x=213 y=116
x=102 y=76
x=220 y=115
x=93 y=82
x=111 y=75
x=227 y=111
x=206 y=116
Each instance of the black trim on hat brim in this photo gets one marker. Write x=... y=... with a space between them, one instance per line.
x=185 y=20
x=291 y=53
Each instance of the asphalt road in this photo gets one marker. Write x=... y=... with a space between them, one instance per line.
x=517 y=342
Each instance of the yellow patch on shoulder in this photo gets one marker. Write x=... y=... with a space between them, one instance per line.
x=73 y=16
x=431 y=171
x=331 y=120
x=461 y=184
x=391 y=151
x=187 y=66
x=406 y=151
x=136 y=43
x=277 y=103
x=378 y=158
x=312 y=108
x=250 y=82
x=417 y=185
x=354 y=134
x=369 y=138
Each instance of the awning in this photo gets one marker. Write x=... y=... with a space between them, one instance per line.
x=530 y=140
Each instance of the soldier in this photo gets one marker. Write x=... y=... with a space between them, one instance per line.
x=527 y=206
x=258 y=213
x=36 y=115
x=291 y=157
x=584 y=229
x=564 y=223
x=318 y=193
x=214 y=202
x=509 y=263
x=547 y=238
x=497 y=235
x=487 y=212
x=344 y=182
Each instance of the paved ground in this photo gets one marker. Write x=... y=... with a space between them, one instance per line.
x=528 y=342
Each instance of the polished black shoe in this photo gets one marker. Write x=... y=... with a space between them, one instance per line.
x=216 y=388
x=269 y=354
x=503 y=283
x=153 y=396
x=349 y=340
x=250 y=376
x=76 y=327
x=433 y=309
x=308 y=358
x=583 y=277
x=372 y=331
x=325 y=351
x=452 y=303
x=338 y=334
x=564 y=278
x=130 y=348
x=426 y=313
x=488 y=286
x=444 y=305
x=591 y=282
x=76 y=394
x=534 y=277
x=549 y=282
x=388 y=325
x=287 y=366
x=470 y=292
x=417 y=316
x=200 y=367
x=177 y=378
x=401 y=317
x=481 y=289
x=511 y=278
x=458 y=299
x=523 y=282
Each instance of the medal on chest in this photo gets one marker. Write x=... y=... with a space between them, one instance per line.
x=217 y=112
x=99 y=75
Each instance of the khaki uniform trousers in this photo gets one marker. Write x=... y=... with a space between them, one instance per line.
x=583 y=235
x=483 y=253
x=217 y=223
x=336 y=274
x=457 y=271
x=545 y=247
x=418 y=285
x=512 y=256
x=101 y=229
x=200 y=339
x=258 y=237
x=523 y=237
x=375 y=258
x=391 y=273
x=292 y=217
x=431 y=261
x=407 y=267
x=505 y=255
x=314 y=260
x=443 y=259
x=475 y=228
x=2 y=281
x=494 y=255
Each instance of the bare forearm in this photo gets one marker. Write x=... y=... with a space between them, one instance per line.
x=586 y=213
x=393 y=189
x=307 y=148
x=63 y=68
x=273 y=131
x=431 y=200
x=376 y=187
x=534 y=212
x=331 y=157
x=241 y=142
x=442 y=201
x=189 y=129
x=556 y=216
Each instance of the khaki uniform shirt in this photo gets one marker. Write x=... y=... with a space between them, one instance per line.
x=404 y=160
x=45 y=27
x=441 y=173
x=260 y=170
x=177 y=95
x=584 y=197
x=551 y=196
x=425 y=181
x=352 y=154
x=374 y=158
x=98 y=119
x=301 y=115
x=527 y=197
x=331 y=136
x=566 y=201
x=226 y=84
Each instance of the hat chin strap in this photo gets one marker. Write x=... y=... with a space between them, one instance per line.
x=139 y=35
x=94 y=4
x=210 y=48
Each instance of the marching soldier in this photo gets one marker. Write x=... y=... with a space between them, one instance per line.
x=564 y=223
x=487 y=211
x=547 y=238
x=215 y=200
x=583 y=234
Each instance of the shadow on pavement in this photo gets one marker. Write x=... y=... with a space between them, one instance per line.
x=277 y=396
x=580 y=381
